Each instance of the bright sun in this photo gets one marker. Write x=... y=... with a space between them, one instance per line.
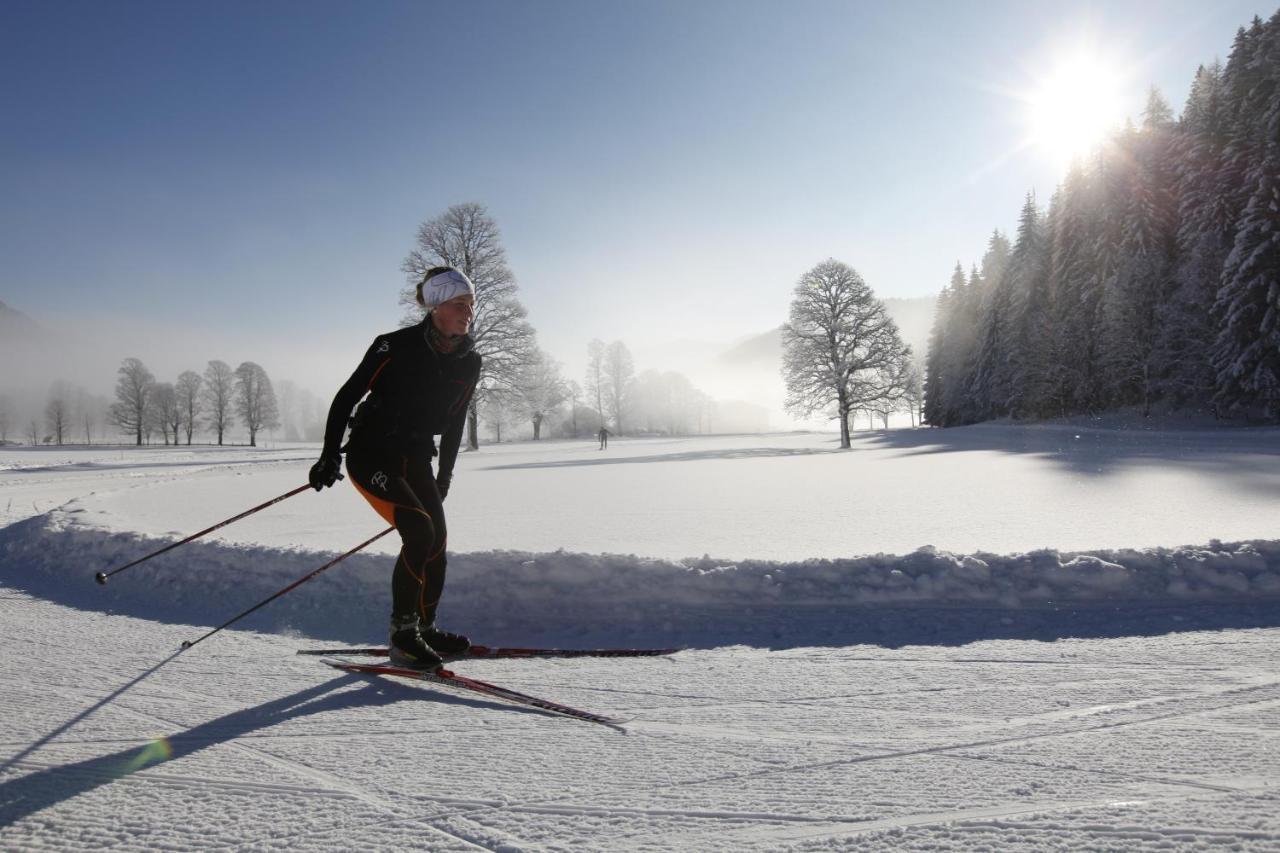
x=1075 y=106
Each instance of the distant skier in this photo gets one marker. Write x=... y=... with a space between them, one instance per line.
x=419 y=381
x=603 y=435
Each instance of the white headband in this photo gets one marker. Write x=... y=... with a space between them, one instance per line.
x=444 y=286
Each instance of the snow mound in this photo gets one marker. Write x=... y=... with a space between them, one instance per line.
x=518 y=596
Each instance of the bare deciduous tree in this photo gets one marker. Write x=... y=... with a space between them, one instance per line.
x=189 y=399
x=57 y=411
x=287 y=401
x=133 y=392
x=595 y=376
x=541 y=390
x=841 y=351
x=255 y=400
x=85 y=412
x=169 y=410
x=6 y=417
x=498 y=413
x=574 y=390
x=667 y=402
x=913 y=392
x=466 y=237
x=619 y=373
x=219 y=383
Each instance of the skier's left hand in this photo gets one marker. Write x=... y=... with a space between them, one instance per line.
x=442 y=486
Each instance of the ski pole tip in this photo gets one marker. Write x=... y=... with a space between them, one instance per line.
x=101 y=578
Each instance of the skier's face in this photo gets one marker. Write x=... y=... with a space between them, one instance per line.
x=454 y=317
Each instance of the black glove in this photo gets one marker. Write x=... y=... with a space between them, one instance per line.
x=326 y=472
x=442 y=485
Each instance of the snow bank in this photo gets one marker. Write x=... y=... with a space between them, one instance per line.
x=515 y=597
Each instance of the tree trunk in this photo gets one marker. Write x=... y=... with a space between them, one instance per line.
x=1146 y=390
x=473 y=427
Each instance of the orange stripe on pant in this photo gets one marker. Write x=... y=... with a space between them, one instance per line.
x=381 y=506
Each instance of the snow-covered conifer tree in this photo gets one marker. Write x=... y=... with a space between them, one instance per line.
x=935 y=387
x=1247 y=353
x=1028 y=334
x=1205 y=226
x=1140 y=273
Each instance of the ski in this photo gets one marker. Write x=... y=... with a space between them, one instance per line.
x=483 y=652
x=450 y=679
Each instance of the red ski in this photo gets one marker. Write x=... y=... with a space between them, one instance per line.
x=504 y=652
x=446 y=678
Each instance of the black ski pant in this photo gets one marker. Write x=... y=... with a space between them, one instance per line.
x=401 y=487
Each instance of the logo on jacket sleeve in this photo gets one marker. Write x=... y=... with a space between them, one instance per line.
x=379 y=479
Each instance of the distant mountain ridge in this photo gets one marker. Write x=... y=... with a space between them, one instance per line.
x=16 y=326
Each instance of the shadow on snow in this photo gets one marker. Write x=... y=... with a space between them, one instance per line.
x=28 y=794
x=1230 y=453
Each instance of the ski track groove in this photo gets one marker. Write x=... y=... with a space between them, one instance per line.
x=1094 y=665
x=1117 y=774
x=1159 y=833
x=934 y=750
x=819 y=699
x=178 y=779
x=405 y=822
x=714 y=702
x=964 y=819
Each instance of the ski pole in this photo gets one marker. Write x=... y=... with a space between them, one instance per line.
x=101 y=577
x=186 y=644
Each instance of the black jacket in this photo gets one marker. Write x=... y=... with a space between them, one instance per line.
x=415 y=393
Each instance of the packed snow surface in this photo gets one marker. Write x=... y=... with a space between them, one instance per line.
x=1001 y=636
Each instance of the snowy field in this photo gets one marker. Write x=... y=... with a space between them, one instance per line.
x=991 y=637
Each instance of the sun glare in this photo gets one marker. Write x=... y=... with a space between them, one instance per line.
x=1075 y=106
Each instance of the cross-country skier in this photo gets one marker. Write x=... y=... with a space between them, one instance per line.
x=419 y=381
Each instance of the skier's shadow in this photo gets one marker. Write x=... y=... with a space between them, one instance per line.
x=28 y=794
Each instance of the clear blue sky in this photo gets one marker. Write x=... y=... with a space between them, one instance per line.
x=660 y=171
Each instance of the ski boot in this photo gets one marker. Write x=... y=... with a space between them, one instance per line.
x=444 y=642
x=408 y=649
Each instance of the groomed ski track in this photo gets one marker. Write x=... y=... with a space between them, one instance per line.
x=250 y=747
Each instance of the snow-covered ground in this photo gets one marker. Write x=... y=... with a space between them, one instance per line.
x=999 y=636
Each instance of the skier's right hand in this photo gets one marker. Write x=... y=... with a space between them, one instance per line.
x=325 y=472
